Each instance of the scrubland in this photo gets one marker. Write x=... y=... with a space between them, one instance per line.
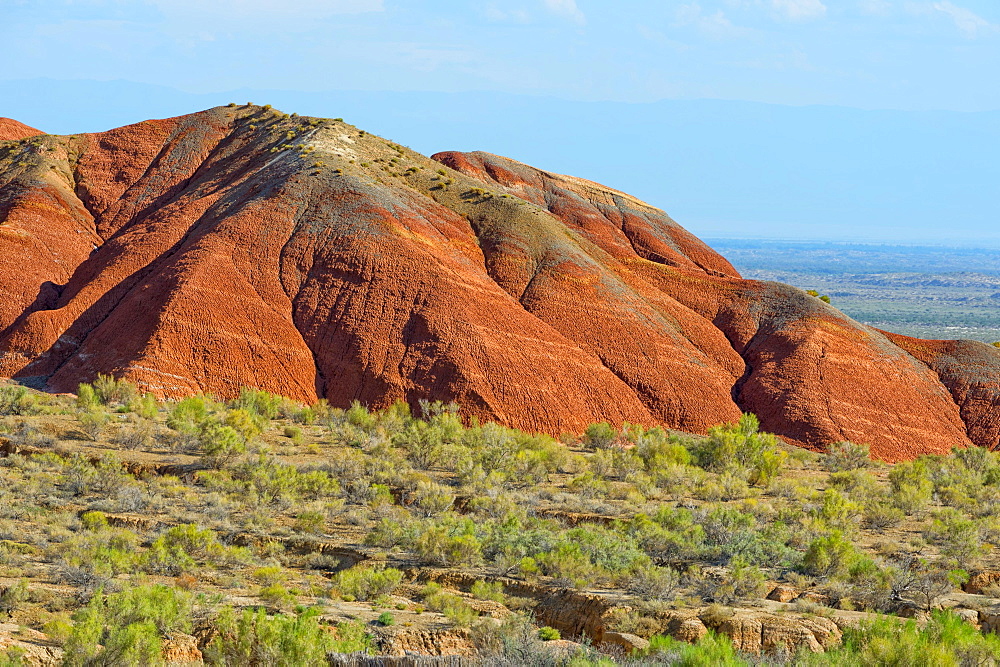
x=262 y=531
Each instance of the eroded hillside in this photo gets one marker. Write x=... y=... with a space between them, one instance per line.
x=245 y=247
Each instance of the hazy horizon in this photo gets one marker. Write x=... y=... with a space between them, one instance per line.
x=871 y=120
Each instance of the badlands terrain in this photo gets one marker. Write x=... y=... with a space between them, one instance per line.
x=241 y=246
x=285 y=392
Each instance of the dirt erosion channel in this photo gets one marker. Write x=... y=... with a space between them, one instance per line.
x=241 y=246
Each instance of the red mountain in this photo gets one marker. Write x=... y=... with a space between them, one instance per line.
x=242 y=246
x=11 y=129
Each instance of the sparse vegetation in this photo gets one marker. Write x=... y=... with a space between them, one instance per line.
x=308 y=508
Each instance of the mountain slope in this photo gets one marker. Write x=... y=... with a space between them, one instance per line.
x=241 y=246
x=12 y=129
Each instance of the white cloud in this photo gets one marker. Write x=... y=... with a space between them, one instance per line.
x=494 y=13
x=250 y=10
x=715 y=25
x=799 y=10
x=970 y=24
x=792 y=10
x=567 y=9
x=875 y=7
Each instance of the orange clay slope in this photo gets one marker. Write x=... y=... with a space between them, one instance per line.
x=12 y=129
x=241 y=246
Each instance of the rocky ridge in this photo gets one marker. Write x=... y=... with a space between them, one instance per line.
x=241 y=246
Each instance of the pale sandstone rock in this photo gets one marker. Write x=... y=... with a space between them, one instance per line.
x=398 y=641
x=182 y=649
x=970 y=616
x=980 y=580
x=782 y=593
x=33 y=646
x=627 y=641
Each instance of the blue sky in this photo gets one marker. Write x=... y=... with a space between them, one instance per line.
x=817 y=64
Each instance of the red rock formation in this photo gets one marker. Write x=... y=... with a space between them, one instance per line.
x=971 y=372
x=12 y=129
x=239 y=246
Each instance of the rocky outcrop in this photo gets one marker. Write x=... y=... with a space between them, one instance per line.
x=989 y=620
x=756 y=632
x=980 y=580
x=628 y=642
x=365 y=660
x=398 y=641
x=182 y=649
x=782 y=593
x=573 y=613
x=34 y=648
x=582 y=614
x=242 y=246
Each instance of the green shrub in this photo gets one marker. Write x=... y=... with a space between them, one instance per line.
x=276 y=595
x=310 y=522
x=742 y=582
x=367 y=583
x=386 y=619
x=453 y=543
x=568 y=565
x=836 y=511
x=452 y=606
x=100 y=552
x=391 y=532
x=730 y=533
x=358 y=415
x=13 y=596
x=829 y=555
x=189 y=412
x=254 y=638
x=269 y=575
x=432 y=499
x=956 y=535
x=846 y=455
x=945 y=640
x=181 y=548
x=423 y=442
x=911 y=486
x=712 y=650
x=670 y=535
x=261 y=403
x=86 y=397
x=741 y=449
x=220 y=444
x=128 y=627
x=94 y=520
x=547 y=634
x=112 y=392
x=600 y=435
x=488 y=590
x=880 y=516
x=16 y=400
x=147 y=407
x=352 y=637
x=92 y=422
x=659 y=451
x=294 y=433
x=654 y=583
x=244 y=422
